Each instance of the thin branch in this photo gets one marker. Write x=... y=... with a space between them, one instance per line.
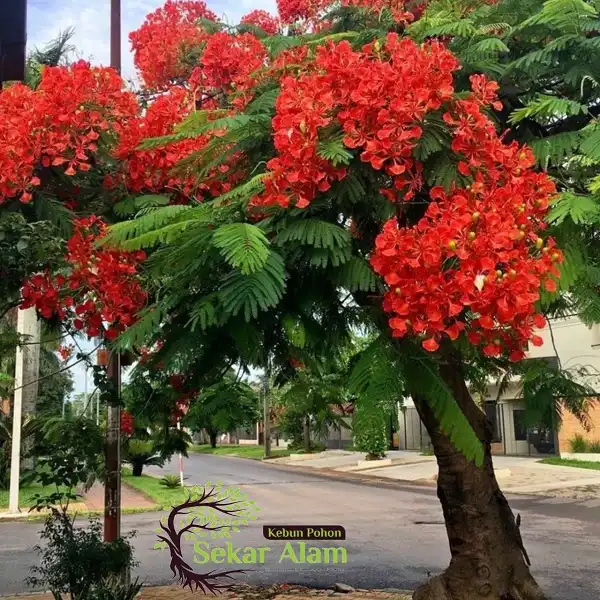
x=59 y=371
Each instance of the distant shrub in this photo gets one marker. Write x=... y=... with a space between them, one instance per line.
x=578 y=444
x=170 y=481
x=594 y=447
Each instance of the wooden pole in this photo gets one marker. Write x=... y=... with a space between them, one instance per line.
x=112 y=488
x=267 y=416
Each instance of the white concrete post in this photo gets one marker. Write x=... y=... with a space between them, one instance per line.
x=26 y=372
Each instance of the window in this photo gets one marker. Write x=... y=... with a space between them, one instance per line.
x=520 y=427
x=491 y=412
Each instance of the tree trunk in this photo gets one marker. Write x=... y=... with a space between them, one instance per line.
x=488 y=560
x=137 y=469
x=213 y=440
x=307 y=433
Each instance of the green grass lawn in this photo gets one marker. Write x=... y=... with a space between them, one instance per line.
x=570 y=462
x=26 y=495
x=242 y=451
x=150 y=486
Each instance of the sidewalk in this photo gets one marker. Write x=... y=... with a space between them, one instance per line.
x=276 y=592
x=92 y=501
x=516 y=475
x=130 y=498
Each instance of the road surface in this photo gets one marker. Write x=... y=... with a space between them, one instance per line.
x=395 y=535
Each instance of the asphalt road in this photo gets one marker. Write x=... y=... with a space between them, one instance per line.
x=395 y=535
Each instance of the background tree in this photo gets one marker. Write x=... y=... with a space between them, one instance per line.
x=311 y=404
x=55 y=386
x=223 y=407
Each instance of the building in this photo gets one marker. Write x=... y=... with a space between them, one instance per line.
x=568 y=343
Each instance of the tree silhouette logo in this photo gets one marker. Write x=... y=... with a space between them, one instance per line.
x=211 y=512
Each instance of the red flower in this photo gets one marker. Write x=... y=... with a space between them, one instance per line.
x=263 y=20
x=160 y=46
x=127 y=423
x=101 y=294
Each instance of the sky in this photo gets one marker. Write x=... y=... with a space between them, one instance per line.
x=91 y=23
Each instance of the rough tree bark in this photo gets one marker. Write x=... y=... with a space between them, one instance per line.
x=488 y=560
x=213 y=440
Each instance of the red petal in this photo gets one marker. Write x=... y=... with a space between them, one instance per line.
x=430 y=345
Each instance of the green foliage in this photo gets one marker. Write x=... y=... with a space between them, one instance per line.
x=25 y=248
x=54 y=386
x=170 y=481
x=71 y=457
x=244 y=246
x=578 y=444
x=78 y=562
x=311 y=404
x=140 y=454
x=261 y=290
x=30 y=428
x=223 y=407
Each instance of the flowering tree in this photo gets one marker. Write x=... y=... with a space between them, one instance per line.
x=368 y=190
x=309 y=174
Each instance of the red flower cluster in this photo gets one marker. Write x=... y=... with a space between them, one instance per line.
x=160 y=45
x=475 y=262
x=228 y=64
x=65 y=352
x=151 y=170
x=58 y=125
x=396 y=7
x=377 y=97
x=262 y=19
x=101 y=295
x=291 y=11
x=127 y=423
x=178 y=383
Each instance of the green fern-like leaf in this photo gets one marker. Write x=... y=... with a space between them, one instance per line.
x=356 y=275
x=248 y=294
x=203 y=313
x=335 y=152
x=243 y=246
x=578 y=207
x=376 y=374
x=545 y=107
x=553 y=150
x=154 y=220
x=314 y=232
x=423 y=380
x=294 y=330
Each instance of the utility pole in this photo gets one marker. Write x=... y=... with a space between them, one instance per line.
x=112 y=486
x=13 y=38
x=267 y=415
x=26 y=388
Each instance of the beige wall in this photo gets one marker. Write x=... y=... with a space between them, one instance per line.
x=576 y=344
x=571 y=427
